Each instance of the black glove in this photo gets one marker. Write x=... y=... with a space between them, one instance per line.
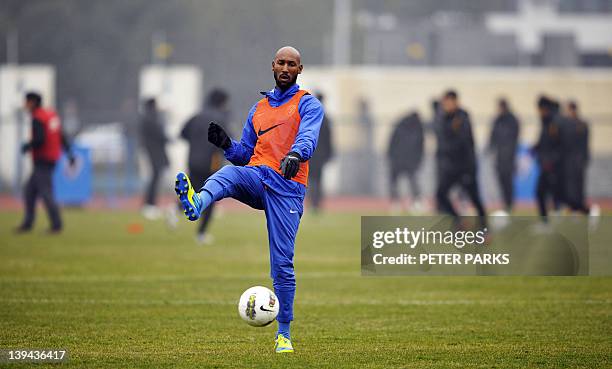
x=218 y=137
x=26 y=147
x=290 y=165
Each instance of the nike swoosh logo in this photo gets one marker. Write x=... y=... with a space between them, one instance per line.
x=292 y=211
x=269 y=129
x=264 y=309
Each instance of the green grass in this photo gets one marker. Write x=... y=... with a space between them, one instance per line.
x=156 y=299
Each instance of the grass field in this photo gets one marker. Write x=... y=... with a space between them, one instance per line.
x=156 y=299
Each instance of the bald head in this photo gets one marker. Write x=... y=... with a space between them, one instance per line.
x=288 y=51
x=286 y=66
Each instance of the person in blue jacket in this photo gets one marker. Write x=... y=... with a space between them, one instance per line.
x=270 y=173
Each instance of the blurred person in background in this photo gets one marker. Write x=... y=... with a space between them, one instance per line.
x=365 y=161
x=366 y=121
x=576 y=158
x=435 y=111
x=46 y=144
x=153 y=138
x=204 y=157
x=548 y=151
x=405 y=154
x=321 y=156
x=71 y=123
x=503 y=144
x=456 y=157
x=559 y=198
x=129 y=117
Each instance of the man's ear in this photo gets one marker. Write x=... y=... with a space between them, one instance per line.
x=273 y=65
x=300 y=69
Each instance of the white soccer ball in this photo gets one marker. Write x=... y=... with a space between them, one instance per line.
x=258 y=306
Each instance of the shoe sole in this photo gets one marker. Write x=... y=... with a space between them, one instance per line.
x=181 y=187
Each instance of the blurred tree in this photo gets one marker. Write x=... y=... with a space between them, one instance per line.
x=98 y=47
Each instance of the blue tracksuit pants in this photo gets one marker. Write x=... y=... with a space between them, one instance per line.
x=257 y=187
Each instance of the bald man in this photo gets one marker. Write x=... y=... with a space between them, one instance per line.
x=270 y=173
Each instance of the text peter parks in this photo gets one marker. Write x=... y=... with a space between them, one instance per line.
x=438 y=245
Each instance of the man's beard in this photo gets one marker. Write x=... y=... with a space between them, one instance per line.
x=284 y=85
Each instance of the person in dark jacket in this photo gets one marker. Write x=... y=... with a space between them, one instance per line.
x=48 y=140
x=548 y=152
x=204 y=157
x=321 y=156
x=559 y=198
x=405 y=154
x=576 y=158
x=456 y=157
x=154 y=140
x=503 y=144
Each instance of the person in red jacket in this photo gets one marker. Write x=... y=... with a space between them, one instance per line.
x=46 y=146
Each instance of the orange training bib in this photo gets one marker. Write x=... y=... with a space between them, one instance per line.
x=276 y=129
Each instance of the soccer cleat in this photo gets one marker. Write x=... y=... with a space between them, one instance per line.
x=189 y=198
x=283 y=344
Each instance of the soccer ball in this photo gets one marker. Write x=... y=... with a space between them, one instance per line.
x=258 y=306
